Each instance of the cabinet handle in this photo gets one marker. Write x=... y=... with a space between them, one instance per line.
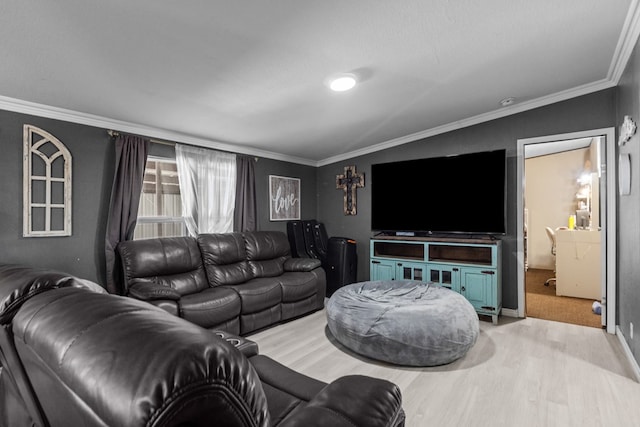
x=455 y=269
x=375 y=262
x=463 y=289
x=488 y=272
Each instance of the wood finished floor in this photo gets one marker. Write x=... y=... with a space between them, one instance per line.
x=521 y=372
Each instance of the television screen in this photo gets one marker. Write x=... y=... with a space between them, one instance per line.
x=456 y=194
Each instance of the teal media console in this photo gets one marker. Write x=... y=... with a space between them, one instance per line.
x=471 y=267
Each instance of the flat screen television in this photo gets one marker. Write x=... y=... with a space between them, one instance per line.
x=463 y=193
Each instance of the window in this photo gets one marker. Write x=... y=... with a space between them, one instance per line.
x=160 y=209
x=208 y=188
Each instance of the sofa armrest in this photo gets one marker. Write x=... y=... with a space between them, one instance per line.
x=352 y=400
x=147 y=290
x=301 y=264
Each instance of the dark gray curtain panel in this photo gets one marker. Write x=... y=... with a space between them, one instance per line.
x=245 y=213
x=131 y=159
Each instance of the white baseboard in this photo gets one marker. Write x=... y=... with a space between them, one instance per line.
x=509 y=312
x=627 y=352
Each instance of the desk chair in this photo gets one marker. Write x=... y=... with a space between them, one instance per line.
x=552 y=238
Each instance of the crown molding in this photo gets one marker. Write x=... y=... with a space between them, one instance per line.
x=626 y=43
x=41 y=110
x=480 y=118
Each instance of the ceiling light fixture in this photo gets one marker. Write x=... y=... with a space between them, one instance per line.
x=342 y=82
x=507 y=101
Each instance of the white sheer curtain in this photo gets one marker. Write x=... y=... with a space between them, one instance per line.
x=208 y=187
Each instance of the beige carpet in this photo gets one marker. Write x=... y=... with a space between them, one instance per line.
x=542 y=302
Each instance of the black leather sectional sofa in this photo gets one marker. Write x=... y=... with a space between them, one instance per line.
x=237 y=282
x=74 y=355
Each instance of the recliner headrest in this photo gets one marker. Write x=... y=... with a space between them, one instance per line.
x=265 y=245
x=169 y=261
x=18 y=283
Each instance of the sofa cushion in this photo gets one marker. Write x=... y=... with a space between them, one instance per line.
x=231 y=274
x=298 y=308
x=266 y=252
x=170 y=261
x=266 y=245
x=267 y=268
x=301 y=264
x=148 y=290
x=222 y=248
x=258 y=294
x=262 y=319
x=210 y=307
x=224 y=258
x=297 y=286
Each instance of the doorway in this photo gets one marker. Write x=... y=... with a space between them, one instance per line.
x=598 y=162
x=562 y=181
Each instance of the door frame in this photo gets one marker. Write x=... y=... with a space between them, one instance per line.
x=608 y=167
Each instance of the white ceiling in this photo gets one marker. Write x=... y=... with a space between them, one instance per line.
x=248 y=76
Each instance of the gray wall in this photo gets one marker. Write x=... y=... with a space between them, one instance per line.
x=587 y=112
x=308 y=193
x=82 y=254
x=629 y=210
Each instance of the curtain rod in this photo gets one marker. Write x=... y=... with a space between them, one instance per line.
x=114 y=133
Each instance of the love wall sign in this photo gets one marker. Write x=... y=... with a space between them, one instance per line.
x=284 y=198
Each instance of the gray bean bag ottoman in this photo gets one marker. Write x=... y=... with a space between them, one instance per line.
x=403 y=322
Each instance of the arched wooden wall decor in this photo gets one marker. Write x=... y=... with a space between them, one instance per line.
x=46 y=185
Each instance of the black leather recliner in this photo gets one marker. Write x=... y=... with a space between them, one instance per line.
x=73 y=355
x=19 y=405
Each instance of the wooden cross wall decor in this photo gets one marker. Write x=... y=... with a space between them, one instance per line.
x=348 y=182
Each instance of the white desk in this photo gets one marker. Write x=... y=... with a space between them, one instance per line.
x=578 y=264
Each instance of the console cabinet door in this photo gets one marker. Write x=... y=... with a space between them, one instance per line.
x=383 y=270
x=411 y=271
x=478 y=286
x=444 y=275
